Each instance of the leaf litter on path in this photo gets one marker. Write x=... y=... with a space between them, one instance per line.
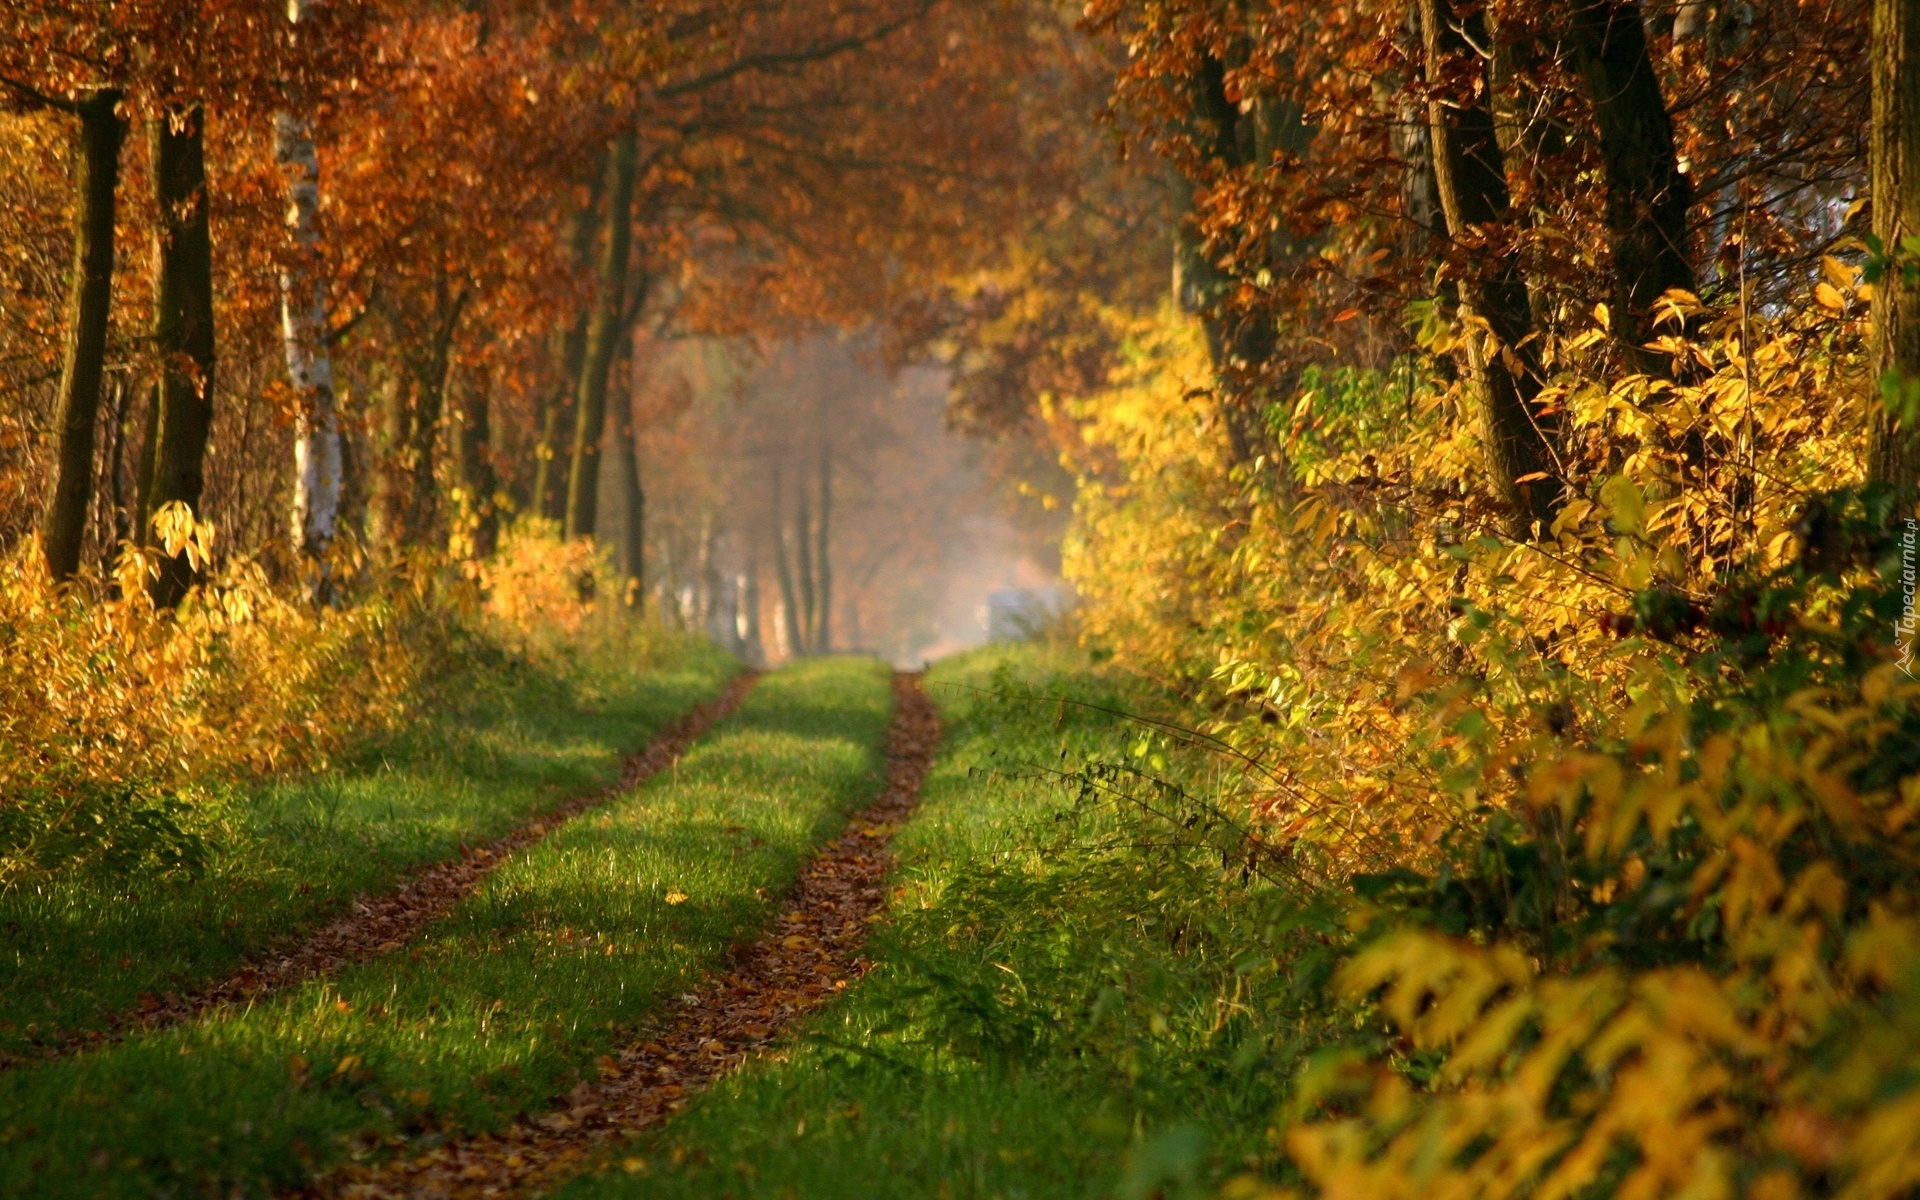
x=810 y=956
x=381 y=924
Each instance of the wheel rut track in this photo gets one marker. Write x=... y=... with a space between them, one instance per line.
x=810 y=955
x=380 y=924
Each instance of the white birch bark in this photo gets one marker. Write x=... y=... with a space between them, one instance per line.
x=303 y=325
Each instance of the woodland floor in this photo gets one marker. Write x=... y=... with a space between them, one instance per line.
x=718 y=974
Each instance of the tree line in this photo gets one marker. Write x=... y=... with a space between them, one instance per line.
x=398 y=257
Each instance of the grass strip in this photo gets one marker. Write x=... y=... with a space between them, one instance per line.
x=804 y=961
x=506 y=1003
x=1053 y=1013
x=517 y=741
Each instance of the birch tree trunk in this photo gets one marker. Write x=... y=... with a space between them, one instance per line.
x=604 y=333
x=89 y=304
x=1893 y=452
x=303 y=328
x=182 y=334
x=1471 y=176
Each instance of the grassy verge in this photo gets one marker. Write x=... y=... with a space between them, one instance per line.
x=503 y=1004
x=512 y=740
x=1057 y=1012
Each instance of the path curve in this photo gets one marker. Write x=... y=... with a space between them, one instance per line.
x=380 y=924
x=810 y=956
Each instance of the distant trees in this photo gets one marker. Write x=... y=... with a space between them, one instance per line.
x=507 y=191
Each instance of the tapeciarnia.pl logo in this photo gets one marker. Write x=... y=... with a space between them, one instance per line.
x=1905 y=628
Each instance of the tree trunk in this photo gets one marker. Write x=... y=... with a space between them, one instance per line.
x=789 y=602
x=1469 y=170
x=823 y=565
x=1893 y=452
x=604 y=332
x=428 y=393
x=803 y=561
x=753 y=647
x=630 y=554
x=182 y=334
x=89 y=304
x=473 y=448
x=303 y=324
x=1241 y=345
x=1647 y=195
x=570 y=352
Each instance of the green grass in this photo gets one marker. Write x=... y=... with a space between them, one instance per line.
x=508 y=1001
x=512 y=742
x=1055 y=1011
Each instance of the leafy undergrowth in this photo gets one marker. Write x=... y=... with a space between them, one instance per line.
x=503 y=1004
x=509 y=737
x=1059 y=1008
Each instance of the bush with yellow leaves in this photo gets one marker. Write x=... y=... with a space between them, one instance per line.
x=1624 y=817
x=118 y=720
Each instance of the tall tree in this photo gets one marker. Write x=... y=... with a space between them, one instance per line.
x=303 y=326
x=1893 y=455
x=182 y=333
x=604 y=333
x=90 y=298
x=1517 y=439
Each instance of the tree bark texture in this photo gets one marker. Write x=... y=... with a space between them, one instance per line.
x=1502 y=369
x=1893 y=450
x=303 y=324
x=89 y=305
x=182 y=334
x=1647 y=194
x=604 y=332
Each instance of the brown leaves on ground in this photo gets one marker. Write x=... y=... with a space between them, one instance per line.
x=812 y=954
x=377 y=925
